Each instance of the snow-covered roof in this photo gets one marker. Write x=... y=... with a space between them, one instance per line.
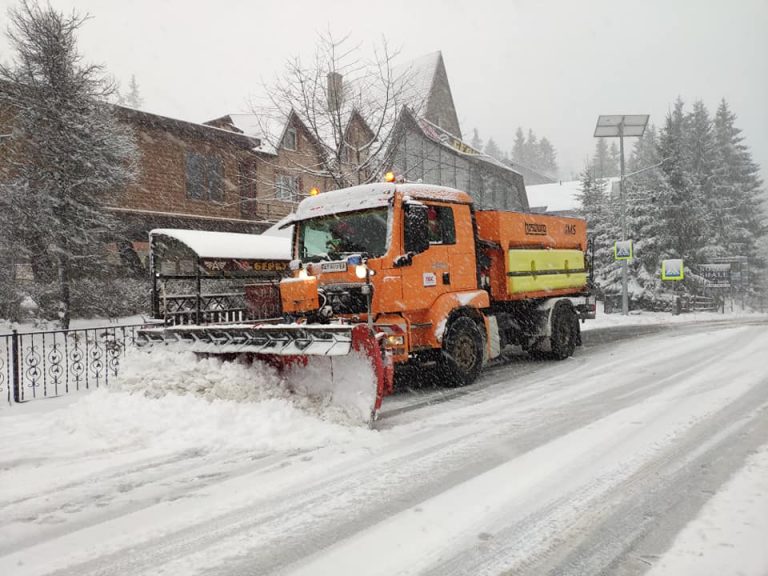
x=279 y=229
x=555 y=197
x=419 y=75
x=371 y=196
x=268 y=126
x=230 y=245
x=560 y=196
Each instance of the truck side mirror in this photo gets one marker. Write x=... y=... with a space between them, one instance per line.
x=416 y=228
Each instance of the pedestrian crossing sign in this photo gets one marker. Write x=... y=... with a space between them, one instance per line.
x=672 y=269
x=622 y=250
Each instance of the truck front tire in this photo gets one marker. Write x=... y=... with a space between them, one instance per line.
x=462 y=357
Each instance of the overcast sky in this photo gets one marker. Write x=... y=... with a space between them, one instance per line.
x=552 y=66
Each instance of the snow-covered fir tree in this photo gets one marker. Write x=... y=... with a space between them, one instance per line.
x=683 y=213
x=601 y=161
x=736 y=191
x=476 y=142
x=603 y=229
x=68 y=154
x=133 y=99
x=547 y=158
x=492 y=149
x=518 y=148
x=643 y=192
x=700 y=159
x=531 y=151
x=614 y=160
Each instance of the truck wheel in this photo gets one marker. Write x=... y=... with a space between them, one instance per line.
x=564 y=331
x=462 y=352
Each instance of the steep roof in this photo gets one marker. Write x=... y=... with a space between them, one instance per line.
x=427 y=91
x=452 y=143
x=420 y=76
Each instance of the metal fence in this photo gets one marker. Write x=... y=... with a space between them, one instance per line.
x=55 y=362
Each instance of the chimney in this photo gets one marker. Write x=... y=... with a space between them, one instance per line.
x=335 y=91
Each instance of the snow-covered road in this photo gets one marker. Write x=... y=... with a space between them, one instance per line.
x=610 y=462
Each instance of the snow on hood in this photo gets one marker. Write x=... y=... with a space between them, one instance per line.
x=230 y=245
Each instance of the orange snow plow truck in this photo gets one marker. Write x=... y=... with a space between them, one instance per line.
x=412 y=278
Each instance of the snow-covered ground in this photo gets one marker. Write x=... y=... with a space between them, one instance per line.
x=728 y=536
x=635 y=453
x=642 y=317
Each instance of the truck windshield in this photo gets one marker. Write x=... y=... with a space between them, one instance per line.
x=332 y=237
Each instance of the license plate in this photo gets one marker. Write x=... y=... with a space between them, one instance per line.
x=333 y=267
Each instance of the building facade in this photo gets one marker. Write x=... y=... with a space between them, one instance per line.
x=425 y=153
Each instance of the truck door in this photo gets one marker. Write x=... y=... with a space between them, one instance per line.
x=429 y=274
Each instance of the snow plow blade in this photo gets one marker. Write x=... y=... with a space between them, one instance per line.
x=357 y=386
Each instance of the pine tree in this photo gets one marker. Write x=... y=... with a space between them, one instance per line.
x=698 y=141
x=492 y=149
x=614 y=161
x=477 y=142
x=68 y=154
x=547 y=158
x=601 y=163
x=736 y=189
x=133 y=99
x=643 y=193
x=683 y=214
x=531 y=153
x=518 y=148
x=603 y=229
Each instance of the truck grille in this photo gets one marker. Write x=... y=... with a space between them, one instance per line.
x=346 y=298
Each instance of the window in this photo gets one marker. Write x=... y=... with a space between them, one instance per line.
x=441 y=226
x=286 y=187
x=205 y=178
x=329 y=237
x=289 y=140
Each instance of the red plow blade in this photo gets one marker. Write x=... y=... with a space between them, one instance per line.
x=343 y=365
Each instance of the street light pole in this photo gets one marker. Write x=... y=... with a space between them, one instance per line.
x=624 y=263
x=614 y=126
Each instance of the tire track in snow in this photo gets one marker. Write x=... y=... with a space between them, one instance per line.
x=422 y=468
x=529 y=537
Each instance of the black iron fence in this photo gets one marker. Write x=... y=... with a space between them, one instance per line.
x=213 y=308
x=55 y=362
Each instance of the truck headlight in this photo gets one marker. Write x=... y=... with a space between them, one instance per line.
x=361 y=271
x=395 y=340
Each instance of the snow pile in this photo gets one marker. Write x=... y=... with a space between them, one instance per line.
x=174 y=423
x=340 y=390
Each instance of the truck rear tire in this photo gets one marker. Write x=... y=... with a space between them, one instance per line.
x=462 y=357
x=565 y=331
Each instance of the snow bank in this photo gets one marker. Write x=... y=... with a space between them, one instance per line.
x=165 y=403
x=643 y=317
x=175 y=423
x=340 y=390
